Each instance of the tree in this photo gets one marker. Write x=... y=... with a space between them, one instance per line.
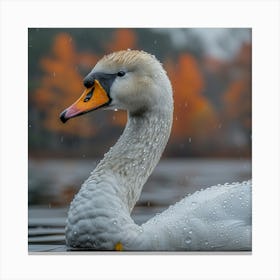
x=238 y=95
x=193 y=115
x=62 y=84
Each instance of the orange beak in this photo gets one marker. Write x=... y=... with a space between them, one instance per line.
x=91 y=99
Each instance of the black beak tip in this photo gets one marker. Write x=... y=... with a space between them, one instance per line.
x=62 y=117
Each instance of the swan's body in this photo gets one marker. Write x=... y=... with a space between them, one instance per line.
x=218 y=218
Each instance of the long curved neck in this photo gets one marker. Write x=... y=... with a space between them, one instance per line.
x=132 y=159
x=99 y=215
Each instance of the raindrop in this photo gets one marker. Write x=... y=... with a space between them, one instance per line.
x=61 y=139
x=116 y=110
x=29 y=125
x=54 y=74
x=50 y=206
x=148 y=203
x=75 y=232
x=190 y=139
x=155 y=42
x=206 y=243
x=190 y=232
x=185 y=228
x=128 y=49
x=188 y=240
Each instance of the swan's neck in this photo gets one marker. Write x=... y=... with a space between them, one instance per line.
x=99 y=215
x=132 y=159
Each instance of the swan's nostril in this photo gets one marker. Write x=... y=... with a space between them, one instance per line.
x=89 y=95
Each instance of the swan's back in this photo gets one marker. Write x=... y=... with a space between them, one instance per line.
x=217 y=218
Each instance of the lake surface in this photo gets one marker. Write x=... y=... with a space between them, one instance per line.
x=53 y=183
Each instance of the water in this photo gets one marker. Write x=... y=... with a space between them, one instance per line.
x=52 y=184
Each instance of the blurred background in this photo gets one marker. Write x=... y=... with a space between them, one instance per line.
x=210 y=143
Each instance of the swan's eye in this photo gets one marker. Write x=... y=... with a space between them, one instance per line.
x=121 y=73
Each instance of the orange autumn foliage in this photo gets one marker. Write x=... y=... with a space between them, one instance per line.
x=62 y=84
x=237 y=100
x=238 y=96
x=122 y=39
x=193 y=114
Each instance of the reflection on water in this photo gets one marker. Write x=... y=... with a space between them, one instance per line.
x=52 y=184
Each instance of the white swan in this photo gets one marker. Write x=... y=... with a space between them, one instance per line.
x=218 y=218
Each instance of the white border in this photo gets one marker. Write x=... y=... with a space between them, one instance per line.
x=262 y=16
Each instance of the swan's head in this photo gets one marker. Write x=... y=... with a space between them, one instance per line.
x=127 y=80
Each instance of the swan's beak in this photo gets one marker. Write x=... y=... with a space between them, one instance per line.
x=91 y=99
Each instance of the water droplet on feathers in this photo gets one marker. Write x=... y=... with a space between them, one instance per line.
x=188 y=240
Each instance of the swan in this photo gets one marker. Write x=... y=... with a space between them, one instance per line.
x=217 y=218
